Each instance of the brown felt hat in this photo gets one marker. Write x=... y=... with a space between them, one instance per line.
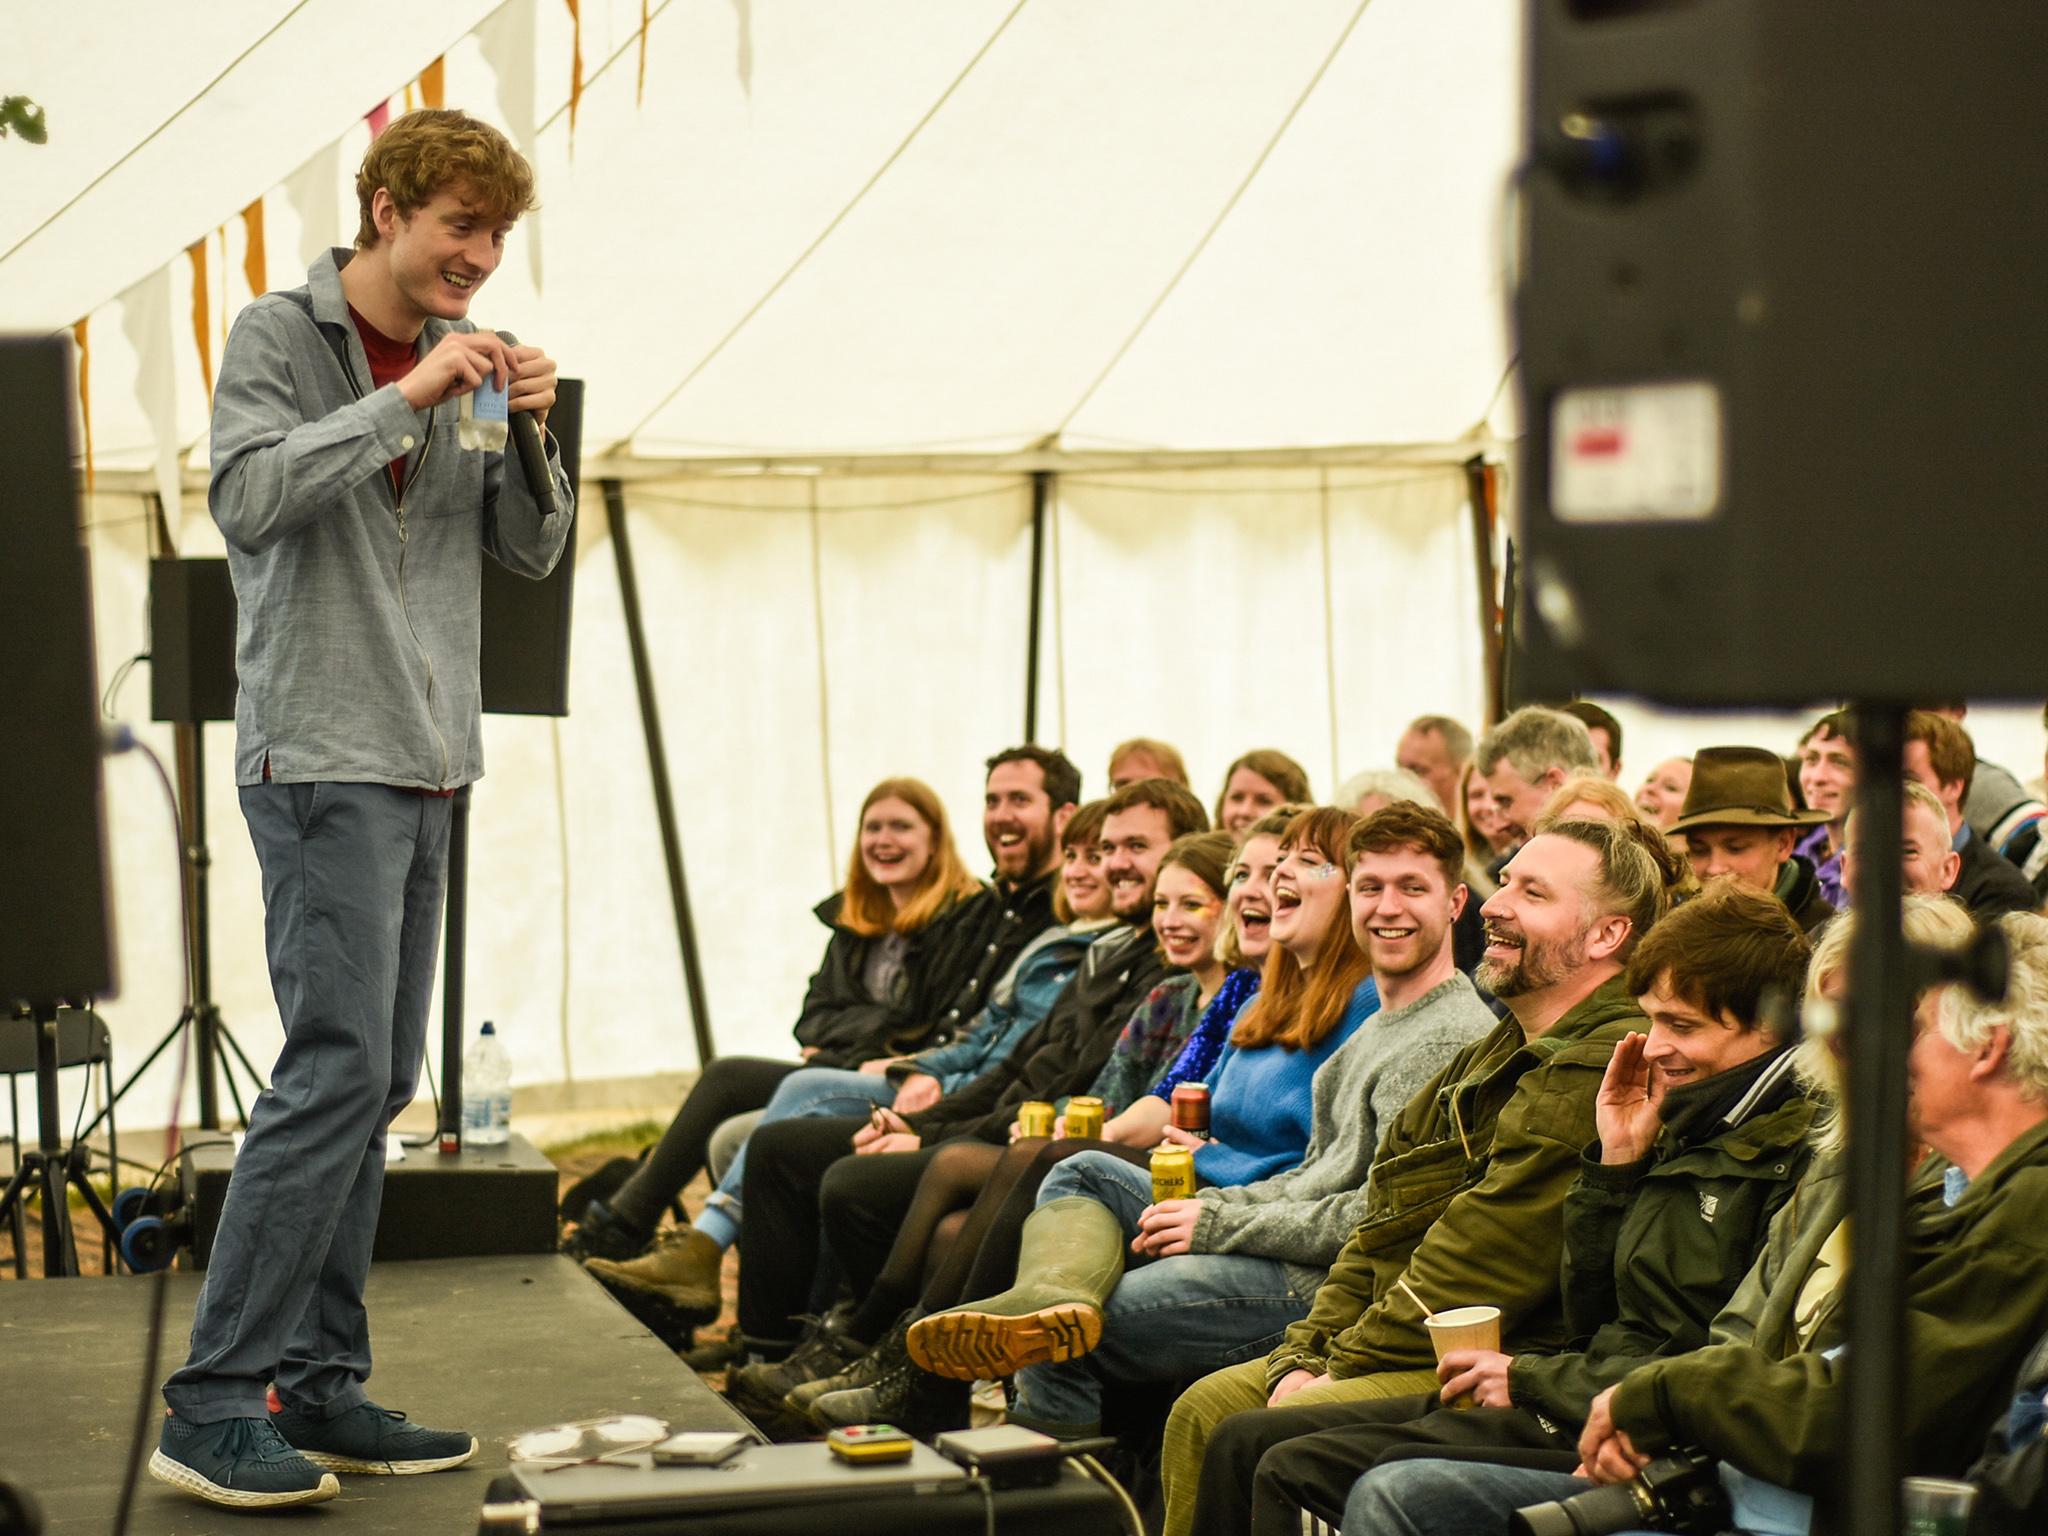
x=1740 y=787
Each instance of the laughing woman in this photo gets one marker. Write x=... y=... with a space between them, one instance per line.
x=903 y=884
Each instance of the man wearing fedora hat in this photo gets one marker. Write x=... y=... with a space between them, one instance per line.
x=1738 y=821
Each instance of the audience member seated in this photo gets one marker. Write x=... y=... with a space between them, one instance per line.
x=2011 y=1476
x=1224 y=1271
x=1702 y=1136
x=1605 y=731
x=677 y=1284
x=1143 y=758
x=1827 y=782
x=1928 y=864
x=1256 y=785
x=1739 y=822
x=1766 y=1398
x=1662 y=795
x=788 y=1162
x=1465 y=1196
x=1587 y=797
x=911 y=932
x=1486 y=841
x=1939 y=756
x=1436 y=749
x=1375 y=789
x=1523 y=760
x=2000 y=809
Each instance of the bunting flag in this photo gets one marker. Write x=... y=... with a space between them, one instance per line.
x=506 y=38
x=78 y=334
x=378 y=117
x=640 y=85
x=315 y=190
x=255 y=262
x=410 y=102
x=201 y=331
x=743 y=13
x=575 y=66
x=146 y=320
x=433 y=82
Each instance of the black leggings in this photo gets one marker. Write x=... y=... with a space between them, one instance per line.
x=731 y=1085
x=959 y=1238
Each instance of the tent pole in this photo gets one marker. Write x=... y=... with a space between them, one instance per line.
x=1041 y=496
x=1479 y=493
x=657 y=766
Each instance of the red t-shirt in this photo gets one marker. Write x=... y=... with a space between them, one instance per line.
x=390 y=361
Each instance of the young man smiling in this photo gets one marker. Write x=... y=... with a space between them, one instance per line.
x=356 y=530
x=1739 y=821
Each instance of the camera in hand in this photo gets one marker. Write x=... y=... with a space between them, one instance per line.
x=1681 y=1493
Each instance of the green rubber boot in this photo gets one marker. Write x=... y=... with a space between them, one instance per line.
x=1070 y=1256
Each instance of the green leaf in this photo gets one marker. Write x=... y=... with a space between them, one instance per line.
x=23 y=117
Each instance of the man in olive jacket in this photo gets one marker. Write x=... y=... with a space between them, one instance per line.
x=1766 y=1398
x=1702 y=1138
x=1466 y=1194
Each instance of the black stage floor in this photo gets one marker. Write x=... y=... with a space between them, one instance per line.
x=495 y=1345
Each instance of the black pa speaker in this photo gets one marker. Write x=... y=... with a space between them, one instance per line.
x=525 y=662
x=191 y=641
x=1781 y=314
x=54 y=935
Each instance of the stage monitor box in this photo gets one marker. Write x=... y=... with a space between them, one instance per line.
x=484 y=1200
x=1781 y=323
x=54 y=934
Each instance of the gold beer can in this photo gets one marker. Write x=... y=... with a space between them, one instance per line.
x=1034 y=1118
x=1085 y=1114
x=1173 y=1174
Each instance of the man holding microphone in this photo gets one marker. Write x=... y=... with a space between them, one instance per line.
x=356 y=527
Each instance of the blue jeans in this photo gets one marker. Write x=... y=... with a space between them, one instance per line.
x=1431 y=1497
x=1168 y=1318
x=353 y=877
x=808 y=1091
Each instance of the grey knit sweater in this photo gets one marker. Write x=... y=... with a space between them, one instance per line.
x=1304 y=1216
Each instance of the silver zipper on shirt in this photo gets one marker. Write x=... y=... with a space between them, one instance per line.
x=398 y=508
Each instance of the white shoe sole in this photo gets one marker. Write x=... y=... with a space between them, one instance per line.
x=178 y=1475
x=386 y=1468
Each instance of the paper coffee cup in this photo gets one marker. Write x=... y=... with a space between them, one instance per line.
x=1936 y=1506
x=1463 y=1328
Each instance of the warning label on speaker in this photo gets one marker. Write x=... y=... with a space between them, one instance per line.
x=1636 y=453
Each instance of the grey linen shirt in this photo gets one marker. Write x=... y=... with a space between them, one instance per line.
x=1304 y=1216
x=359 y=609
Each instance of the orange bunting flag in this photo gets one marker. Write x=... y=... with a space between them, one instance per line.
x=433 y=82
x=255 y=266
x=85 y=396
x=575 y=64
x=640 y=87
x=200 y=329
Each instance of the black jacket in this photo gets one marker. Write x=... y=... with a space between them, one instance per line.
x=1063 y=1054
x=1989 y=884
x=1799 y=888
x=951 y=964
x=2012 y=1474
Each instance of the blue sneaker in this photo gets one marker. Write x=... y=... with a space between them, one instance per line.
x=241 y=1463
x=372 y=1440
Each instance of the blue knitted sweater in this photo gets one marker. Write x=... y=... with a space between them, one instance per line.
x=1261 y=1104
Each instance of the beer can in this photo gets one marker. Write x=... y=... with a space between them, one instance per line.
x=1085 y=1114
x=1173 y=1174
x=1191 y=1108
x=1034 y=1118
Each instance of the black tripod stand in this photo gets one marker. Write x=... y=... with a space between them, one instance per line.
x=201 y=1015
x=52 y=1167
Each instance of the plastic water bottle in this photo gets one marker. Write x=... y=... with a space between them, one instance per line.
x=483 y=419
x=486 y=1091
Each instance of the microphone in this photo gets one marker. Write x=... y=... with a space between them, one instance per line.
x=533 y=454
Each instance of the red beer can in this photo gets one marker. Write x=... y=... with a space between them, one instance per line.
x=1191 y=1109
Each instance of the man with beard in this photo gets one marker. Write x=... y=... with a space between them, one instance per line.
x=1029 y=794
x=798 y=1167
x=1466 y=1194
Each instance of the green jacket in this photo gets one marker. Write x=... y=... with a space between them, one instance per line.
x=1465 y=1197
x=1976 y=1299
x=1653 y=1248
